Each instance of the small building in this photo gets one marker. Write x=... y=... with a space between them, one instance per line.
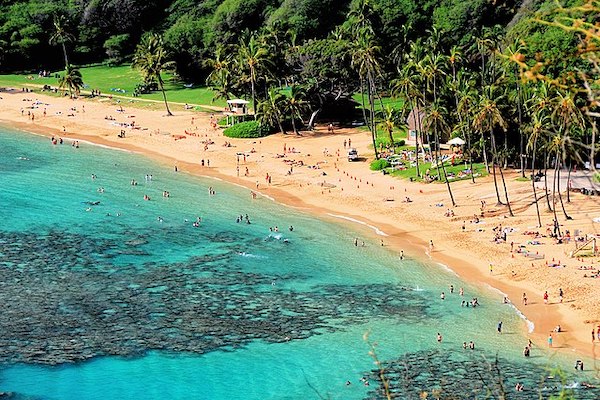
x=236 y=111
x=414 y=121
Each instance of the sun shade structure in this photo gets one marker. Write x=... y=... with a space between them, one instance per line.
x=236 y=111
x=456 y=141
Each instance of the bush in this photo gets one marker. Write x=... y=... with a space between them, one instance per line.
x=250 y=129
x=380 y=164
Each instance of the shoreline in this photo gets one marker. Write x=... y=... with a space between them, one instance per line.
x=464 y=253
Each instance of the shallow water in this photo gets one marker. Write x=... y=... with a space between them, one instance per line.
x=110 y=296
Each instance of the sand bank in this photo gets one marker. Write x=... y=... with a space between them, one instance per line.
x=311 y=172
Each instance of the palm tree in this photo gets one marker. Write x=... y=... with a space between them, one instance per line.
x=271 y=110
x=391 y=120
x=566 y=115
x=541 y=103
x=255 y=57
x=406 y=87
x=536 y=131
x=72 y=80
x=151 y=59
x=219 y=79
x=487 y=117
x=466 y=97
x=296 y=105
x=365 y=59
x=435 y=121
x=60 y=35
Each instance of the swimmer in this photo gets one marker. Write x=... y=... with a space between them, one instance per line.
x=443 y=296
x=439 y=337
x=291 y=228
x=402 y=254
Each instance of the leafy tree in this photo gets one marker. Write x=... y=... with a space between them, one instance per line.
x=271 y=110
x=255 y=58
x=116 y=47
x=151 y=59
x=296 y=105
x=71 y=80
x=61 y=36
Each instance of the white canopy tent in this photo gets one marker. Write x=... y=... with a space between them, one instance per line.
x=456 y=141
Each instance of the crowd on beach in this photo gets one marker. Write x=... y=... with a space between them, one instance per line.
x=308 y=168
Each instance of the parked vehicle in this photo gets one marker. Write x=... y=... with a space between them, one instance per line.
x=352 y=155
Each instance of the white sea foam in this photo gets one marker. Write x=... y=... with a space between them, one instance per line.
x=530 y=324
x=376 y=229
x=447 y=268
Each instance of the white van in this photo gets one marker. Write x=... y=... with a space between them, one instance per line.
x=352 y=155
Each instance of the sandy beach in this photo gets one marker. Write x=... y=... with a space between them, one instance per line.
x=311 y=172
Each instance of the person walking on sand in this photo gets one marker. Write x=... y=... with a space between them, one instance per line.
x=524 y=299
x=550 y=339
x=546 y=297
x=491 y=269
x=560 y=294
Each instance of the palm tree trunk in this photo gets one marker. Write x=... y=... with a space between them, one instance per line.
x=521 y=135
x=253 y=94
x=485 y=159
x=569 y=183
x=535 y=198
x=414 y=113
x=510 y=212
x=494 y=160
x=554 y=198
x=562 y=205
x=593 y=146
x=546 y=181
x=294 y=125
x=371 y=88
x=64 y=49
x=162 y=89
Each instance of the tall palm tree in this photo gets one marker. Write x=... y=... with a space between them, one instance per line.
x=487 y=117
x=220 y=79
x=406 y=87
x=435 y=120
x=60 y=35
x=271 y=110
x=566 y=115
x=296 y=105
x=537 y=129
x=466 y=96
x=541 y=103
x=255 y=57
x=72 y=80
x=365 y=60
x=151 y=59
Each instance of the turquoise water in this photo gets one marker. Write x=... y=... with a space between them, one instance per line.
x=129 y=299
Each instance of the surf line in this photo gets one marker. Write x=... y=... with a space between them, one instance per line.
x=528 y=322
x=374 y=228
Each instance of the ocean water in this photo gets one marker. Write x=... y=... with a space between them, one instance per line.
x=109 y=296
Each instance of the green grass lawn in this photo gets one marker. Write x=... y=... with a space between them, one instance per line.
x=105 y=78
x=387 y=101
x=411 y=172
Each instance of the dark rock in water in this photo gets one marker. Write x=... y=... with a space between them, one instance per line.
x=68 y=297
x=469 y=376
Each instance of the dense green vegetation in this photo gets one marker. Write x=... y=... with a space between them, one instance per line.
x=516 y=80
x=248 y=129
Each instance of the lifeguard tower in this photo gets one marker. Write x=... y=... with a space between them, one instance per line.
x=236 y=111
